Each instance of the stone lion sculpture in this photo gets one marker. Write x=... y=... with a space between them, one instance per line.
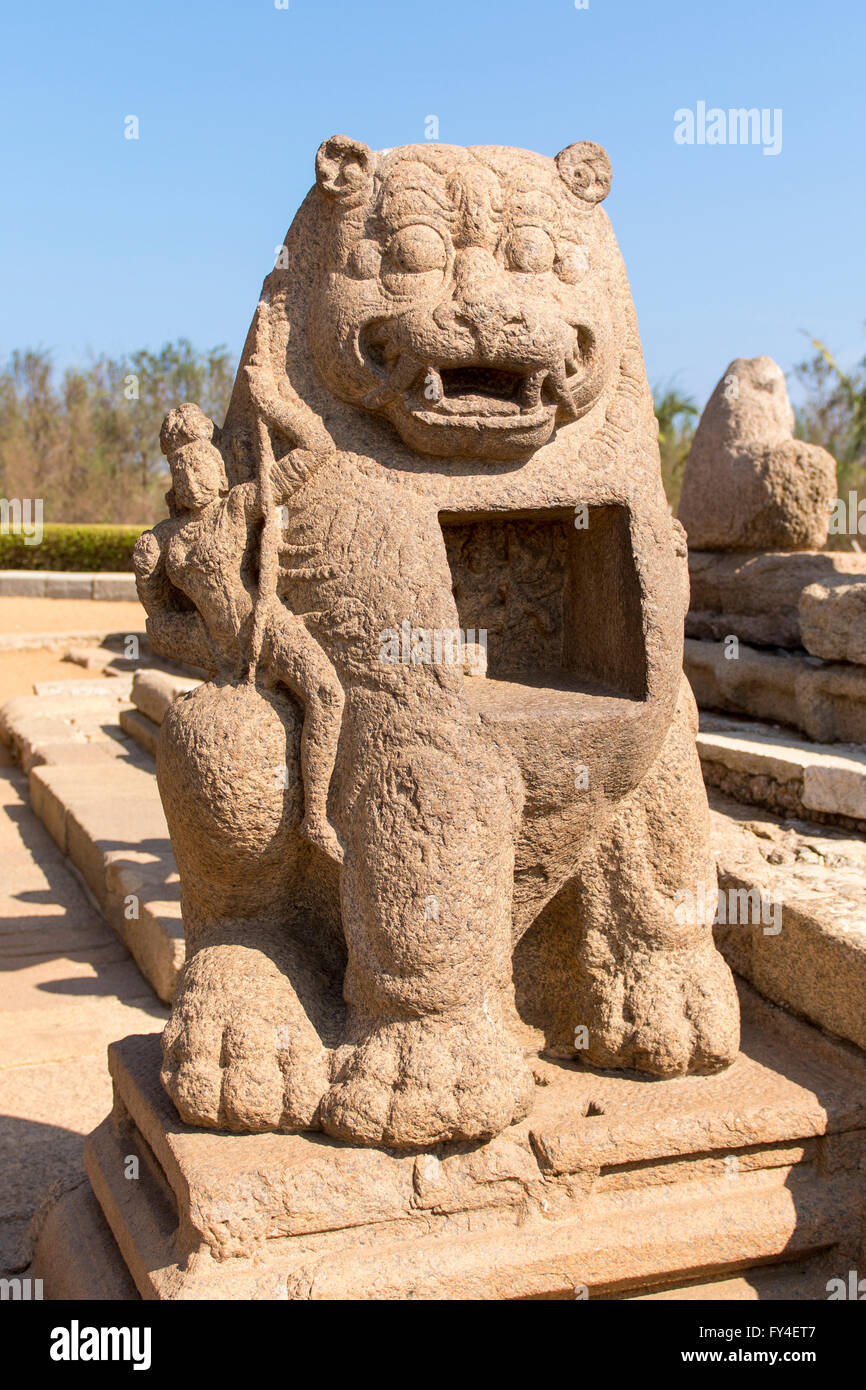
x=401 y=879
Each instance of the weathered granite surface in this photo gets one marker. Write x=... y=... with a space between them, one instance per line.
x=769 y=766
x=833 y=620
x=809 y=954
x=827 y=700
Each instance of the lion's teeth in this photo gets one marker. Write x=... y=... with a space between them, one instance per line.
x=433 y=389
x=562 y=392
x=530 y=391
x=400 y=378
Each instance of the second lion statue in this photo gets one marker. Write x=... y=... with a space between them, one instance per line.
x=402 y=876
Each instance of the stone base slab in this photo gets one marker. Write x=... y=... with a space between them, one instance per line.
x=826 y=701
x=614 y=1185
x=76 y=1255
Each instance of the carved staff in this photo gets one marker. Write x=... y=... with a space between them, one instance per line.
x=269 y=558
x=286 y=412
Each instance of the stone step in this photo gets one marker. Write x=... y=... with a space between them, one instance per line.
x=69 y=989
x=110 y=822
x=115 y=684
x=95 y=791
x=800 y=936
x=767 y=766
x=757 y=594
x=826 y=701
x=85 y=638
x=142 y=729
x=152 y=692
x=66 y=727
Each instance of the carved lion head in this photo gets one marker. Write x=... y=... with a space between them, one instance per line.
x=462 y=293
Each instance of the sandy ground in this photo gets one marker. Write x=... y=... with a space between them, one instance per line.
x=68 y=985
x=69 y=615
x=20 y=670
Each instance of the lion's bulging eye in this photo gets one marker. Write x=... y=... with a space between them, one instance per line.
x=415 y=250
x=531 y=250
x=573 y=264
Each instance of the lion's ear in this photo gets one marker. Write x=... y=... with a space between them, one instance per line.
x=585 y=169
x=344 y=169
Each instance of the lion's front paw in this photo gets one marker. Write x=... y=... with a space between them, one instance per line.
x=421 y=1081
x=239 y=1050
x=669 y=1013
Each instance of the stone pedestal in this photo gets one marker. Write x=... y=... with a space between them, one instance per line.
x=614 y=1185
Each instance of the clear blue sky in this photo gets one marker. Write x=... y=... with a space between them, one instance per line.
x=108 y=244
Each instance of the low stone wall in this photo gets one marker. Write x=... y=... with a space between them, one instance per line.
x=106 y=585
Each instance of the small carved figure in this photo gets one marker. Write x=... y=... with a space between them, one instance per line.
x=206 y=556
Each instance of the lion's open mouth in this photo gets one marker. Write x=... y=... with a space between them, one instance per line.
x=481 y=384
x=493 y=392
x=486 y=393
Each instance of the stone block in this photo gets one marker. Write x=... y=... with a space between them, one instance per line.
x=828 y=778
x=816 y=964
x=833 y=621
x=114 y=587
x=755 y=596
x=827 y=702
x=153 y=691
x=108 y=818
x=142 y=729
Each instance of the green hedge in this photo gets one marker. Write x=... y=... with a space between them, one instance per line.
x=71 y=548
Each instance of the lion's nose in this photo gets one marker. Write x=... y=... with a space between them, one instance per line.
x=480 y=298
x=475 y=274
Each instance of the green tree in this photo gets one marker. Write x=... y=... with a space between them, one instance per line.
x=677 y=418
x=833 y=413
x=88 y=443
